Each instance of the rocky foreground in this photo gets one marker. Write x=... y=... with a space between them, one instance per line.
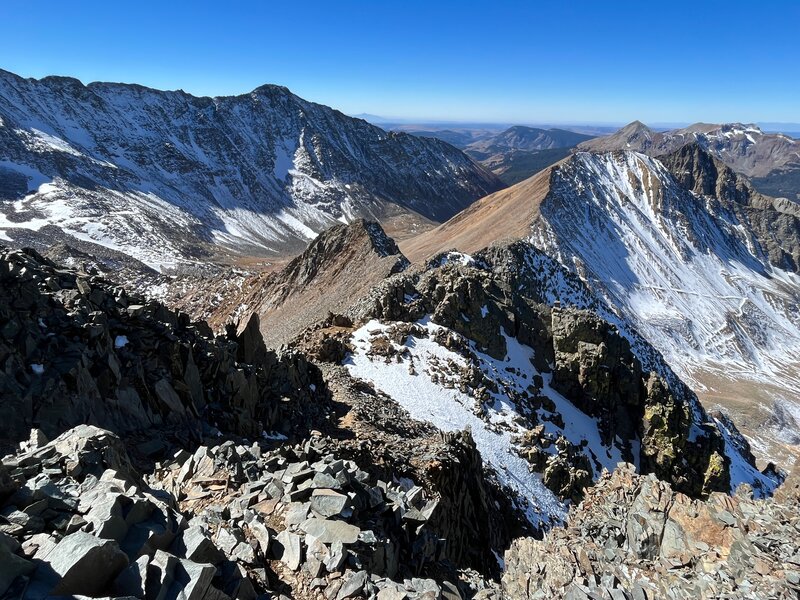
x=235 y=521
x=635 y=537
x=228 y=521
x=185 y=464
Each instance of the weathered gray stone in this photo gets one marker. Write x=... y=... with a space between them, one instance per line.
x=328 y=531
x=291 y=554
x=336 y=558
x=316 y=555
x=106 y=518
x=132 y=581
x=195 y=544
x=353 y=586
x=244 y=552
x=192 y=580
x=392 y=592
x=261 y=534
x=226 y=540
x=39 y=546
x=328 y=503
x=86 y=564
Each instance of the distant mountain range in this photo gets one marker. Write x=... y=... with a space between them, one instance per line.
x=526 y=139
x=519 y=152
x=513 y=154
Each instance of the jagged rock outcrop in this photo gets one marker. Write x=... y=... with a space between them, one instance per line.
x=507 y=295
x=772 y=223
x=634 y=537
x=76 y=349
x=475 y=514
x=596 y=369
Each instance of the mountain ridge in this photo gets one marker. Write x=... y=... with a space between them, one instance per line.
x=639 y=233
x=259 y=173
x=771 y=160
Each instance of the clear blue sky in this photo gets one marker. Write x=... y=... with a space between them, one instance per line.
x=568 y=61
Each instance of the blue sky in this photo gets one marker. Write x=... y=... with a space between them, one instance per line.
x=578 y=61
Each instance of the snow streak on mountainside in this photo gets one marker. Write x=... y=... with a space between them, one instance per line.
x=679 y=266
x=427 y=378
x=162 y=176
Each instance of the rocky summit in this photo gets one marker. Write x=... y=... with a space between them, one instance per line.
x=252 y=348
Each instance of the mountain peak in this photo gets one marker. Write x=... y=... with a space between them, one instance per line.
x=328 y=245
x=272 y=89
x=337 y=268
x=634 y=126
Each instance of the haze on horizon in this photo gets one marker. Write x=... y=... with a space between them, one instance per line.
x=506 y=62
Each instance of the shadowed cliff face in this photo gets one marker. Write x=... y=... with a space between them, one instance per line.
x=77 y=349
x=164 y=175
x=773 y=223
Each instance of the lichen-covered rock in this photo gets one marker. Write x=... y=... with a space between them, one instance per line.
x=635 y=537
x=596 y=369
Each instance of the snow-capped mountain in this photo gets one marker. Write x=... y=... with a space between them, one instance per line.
x=684 y=268
x=623 y=222
x=694 y=259
x=772 y=159
x=167 y=177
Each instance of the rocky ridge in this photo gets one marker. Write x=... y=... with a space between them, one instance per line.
x=371 y=502
x=771 y=159
x=492 y=308
x=77 y=349
x=177 y=546
x=773 y=223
